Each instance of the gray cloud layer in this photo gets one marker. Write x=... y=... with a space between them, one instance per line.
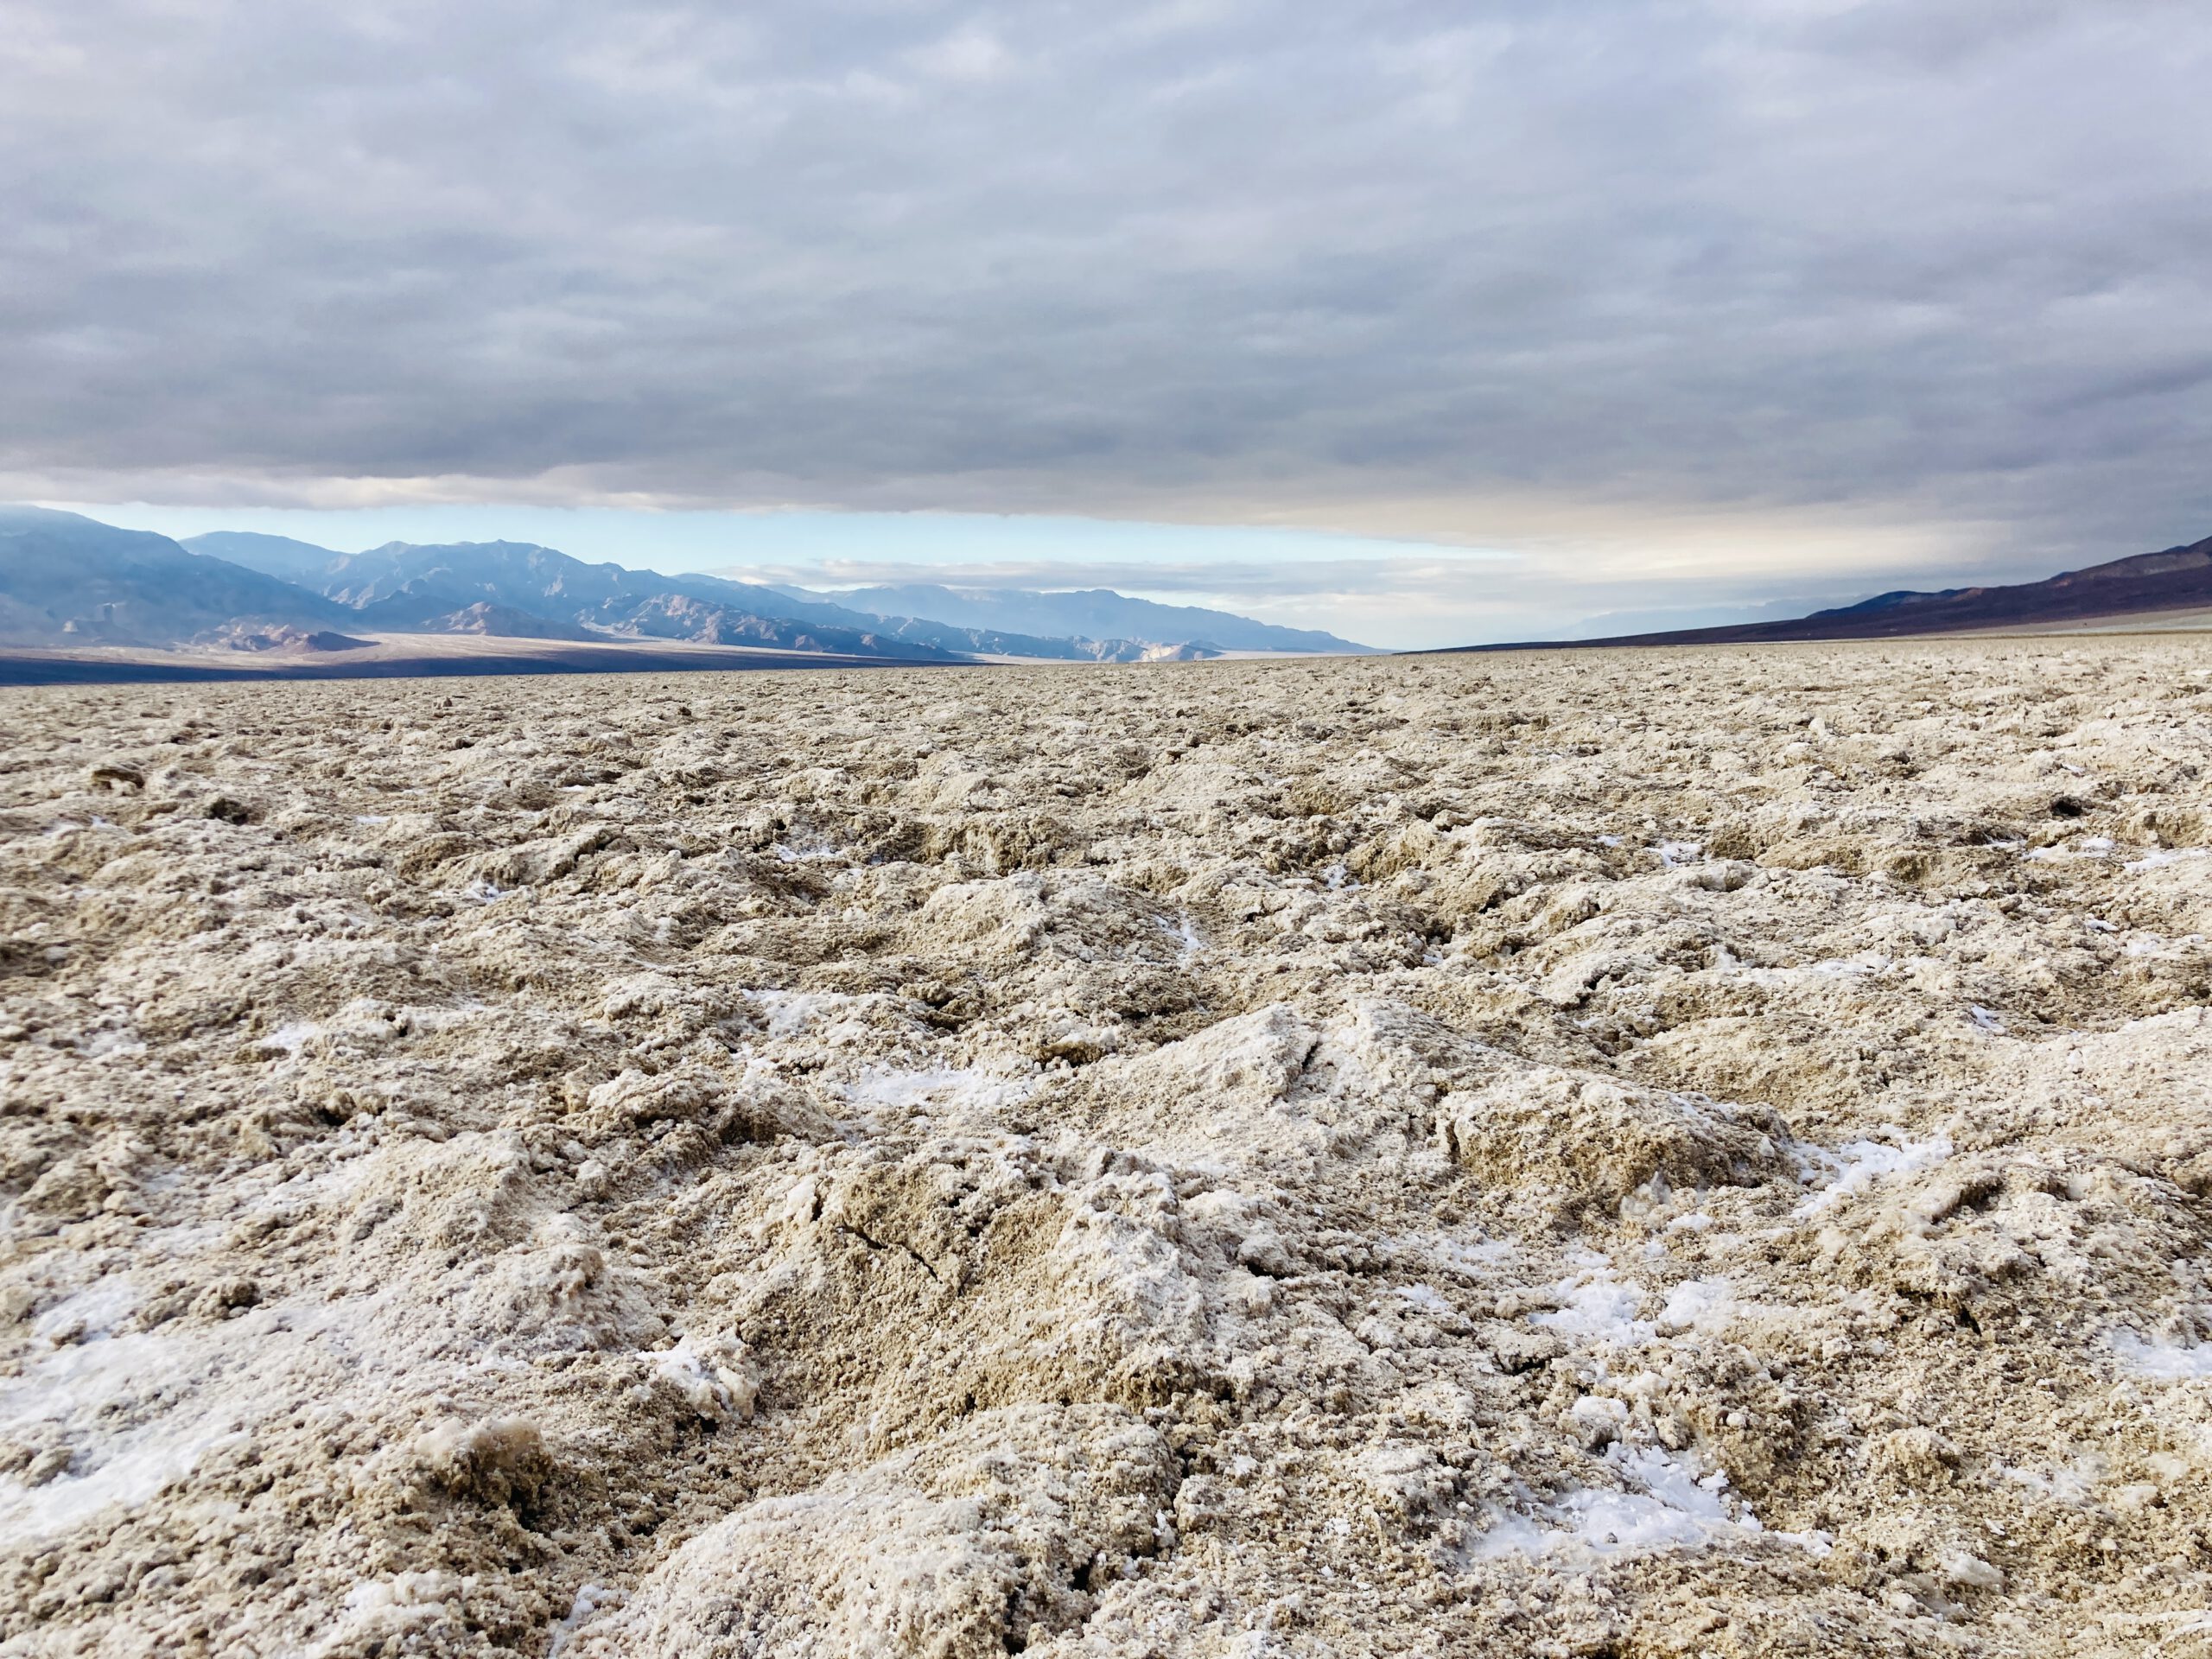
x=1469 y=272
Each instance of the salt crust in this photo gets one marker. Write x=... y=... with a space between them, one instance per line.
x=1545 y=1154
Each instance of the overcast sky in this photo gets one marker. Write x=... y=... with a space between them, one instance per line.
x=1606 y=305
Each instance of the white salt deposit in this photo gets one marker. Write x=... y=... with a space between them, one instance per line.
x=291 y=1038
x=110 y=1042
x=1598 y=1308
x=1705 y=1305
x=790 y=1012
x=937 y=1086
x=1856 y=1166
x=590 y=1598
x=1866 y=961
x=90 y=1313
x=2167 y=1361
x=109 y=1399
x=2160 y=858
x=1663 y=1503
x=715 y=1376
x=1185 y=933
x=1475 y=1257
x=1426 y=1298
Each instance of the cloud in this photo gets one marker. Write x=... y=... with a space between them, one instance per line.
x=1688 y=292
x=968 y=54
x=1221 y=578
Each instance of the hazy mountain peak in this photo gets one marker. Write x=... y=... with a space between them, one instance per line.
x=67 y=579
x=1087 y=613
x=22 y=514
x=281 y=557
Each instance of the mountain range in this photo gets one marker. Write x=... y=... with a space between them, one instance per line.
x=1091 y=614
x=69 y=583
x=69 y=580
x=2175 y=579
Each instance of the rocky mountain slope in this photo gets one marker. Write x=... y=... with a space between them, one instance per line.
x=2177 y=579
x=68 y=580
x=1648 y=1154
x=524 y=591
x=403 y=585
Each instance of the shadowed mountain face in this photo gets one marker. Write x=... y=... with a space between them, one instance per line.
x=500 y=587
x=504 y=622
x=2175 y=579
x=520 y=590
x=68 y=580
x=406 y=587
x=402 y=586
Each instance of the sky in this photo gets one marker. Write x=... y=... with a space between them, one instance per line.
x=1448 y=322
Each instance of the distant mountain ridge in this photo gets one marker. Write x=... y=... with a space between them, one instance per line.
x=2173 y=579
x=407 y=585
x=281 y=557
x=522 y=590
x=70 y=581
x=1097 y=613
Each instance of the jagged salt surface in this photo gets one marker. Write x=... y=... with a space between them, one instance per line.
x=1488 y=1155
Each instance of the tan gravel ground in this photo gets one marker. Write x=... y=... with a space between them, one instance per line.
x=1678 y=1154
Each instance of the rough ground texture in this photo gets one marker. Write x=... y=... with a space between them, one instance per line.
x=1611 y=1154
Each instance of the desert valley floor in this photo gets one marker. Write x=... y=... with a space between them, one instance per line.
x=1586 y=1154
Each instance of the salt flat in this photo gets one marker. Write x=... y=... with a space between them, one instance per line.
x=1682 y=1152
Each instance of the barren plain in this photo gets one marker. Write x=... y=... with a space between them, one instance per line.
x=1687 y=1153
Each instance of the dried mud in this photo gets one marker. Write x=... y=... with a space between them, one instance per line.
x=1651 y=1155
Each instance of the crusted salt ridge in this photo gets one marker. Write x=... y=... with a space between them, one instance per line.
x=1624 y=1153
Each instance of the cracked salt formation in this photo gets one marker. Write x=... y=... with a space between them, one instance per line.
x=1668 y=1154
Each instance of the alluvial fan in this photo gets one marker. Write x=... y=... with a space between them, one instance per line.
x=1687 y=1153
